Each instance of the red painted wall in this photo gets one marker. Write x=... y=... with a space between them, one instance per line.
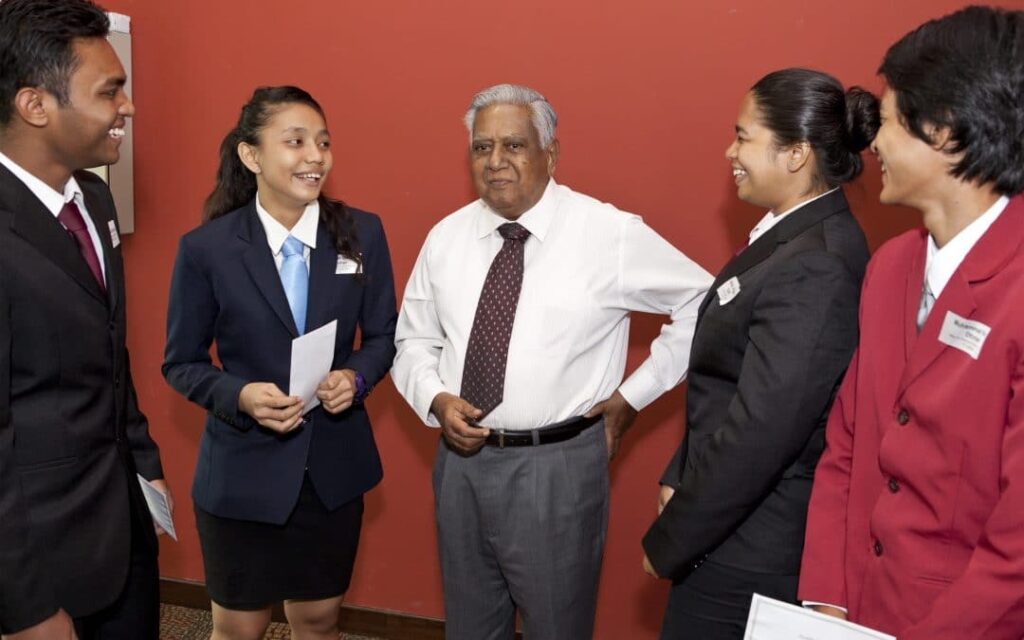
x=647 y=92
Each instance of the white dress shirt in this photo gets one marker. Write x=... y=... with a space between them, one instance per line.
x=941 y=264
x=586 y=266
x=54 y=201
x=771 y=219
x=304 y=231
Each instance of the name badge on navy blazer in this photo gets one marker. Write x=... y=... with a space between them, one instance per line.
x=346 y=266
x=729 y=290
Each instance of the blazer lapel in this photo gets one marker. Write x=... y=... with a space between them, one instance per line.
x=323 y=262
x=36 y=225
x=993 y=250
x=788 y=228
x=262 y=269
x=102 y=216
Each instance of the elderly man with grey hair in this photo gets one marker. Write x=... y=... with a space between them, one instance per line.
x=512 y=339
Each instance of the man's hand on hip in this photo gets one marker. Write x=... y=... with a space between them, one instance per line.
x=618 y=418
x=456 y=417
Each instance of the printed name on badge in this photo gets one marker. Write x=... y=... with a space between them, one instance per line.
x=963 y=334
x=729 y=290
x=114 y=238
x=345 y=266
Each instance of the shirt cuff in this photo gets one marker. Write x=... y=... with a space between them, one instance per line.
x=640 y=389
x=810 y=603
x=426 y=391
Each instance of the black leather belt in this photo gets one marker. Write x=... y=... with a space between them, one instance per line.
x=545 y=435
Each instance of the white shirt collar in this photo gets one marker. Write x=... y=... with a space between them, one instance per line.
x=537 y=218
x=304 y=230
x=942 y=263
x=53 y=200
x=771 y=219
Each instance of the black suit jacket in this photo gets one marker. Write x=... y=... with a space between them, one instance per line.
x=763 y=371
x=71 y=434
x=226 y=289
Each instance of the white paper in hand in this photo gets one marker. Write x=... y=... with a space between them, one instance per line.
x=774 y=620
x=312 y=356
x=158 y=507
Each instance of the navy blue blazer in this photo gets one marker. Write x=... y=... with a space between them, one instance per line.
x=226 y=289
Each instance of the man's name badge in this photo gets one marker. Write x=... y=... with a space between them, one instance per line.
x=114 y=238
x=345 y=266
x=963 y=334
x=729 y=290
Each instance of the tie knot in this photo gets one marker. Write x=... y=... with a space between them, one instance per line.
x=292 y=247
x=71 y=217
x=514 y=231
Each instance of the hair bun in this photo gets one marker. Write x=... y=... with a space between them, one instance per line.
x=862 y=118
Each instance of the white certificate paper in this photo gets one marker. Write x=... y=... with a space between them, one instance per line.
x=312 y=356
x=158 y=507
x=774 y=620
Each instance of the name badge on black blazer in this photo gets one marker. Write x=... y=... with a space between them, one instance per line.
x=346 y=266
x=729 y=290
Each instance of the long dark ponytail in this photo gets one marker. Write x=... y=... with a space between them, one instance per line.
x=236 y=185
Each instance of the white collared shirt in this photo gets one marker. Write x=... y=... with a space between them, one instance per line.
x=54 y=202
x=586 y=266
x=770 y=219
x=304 y=231
x=941 y=264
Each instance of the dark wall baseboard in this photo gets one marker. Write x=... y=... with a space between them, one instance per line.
x=357 y=620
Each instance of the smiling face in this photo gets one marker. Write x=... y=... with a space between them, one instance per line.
x=291 y=160
x=758 y=165
x=87 y=131
x=912 y=169
x=510 y=168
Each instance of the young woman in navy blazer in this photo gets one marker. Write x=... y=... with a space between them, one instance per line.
x=278 y=490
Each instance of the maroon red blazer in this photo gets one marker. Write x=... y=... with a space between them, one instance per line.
x=916 y=521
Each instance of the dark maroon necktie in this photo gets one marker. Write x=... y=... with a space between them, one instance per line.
x=72 y=220
x=483 y=377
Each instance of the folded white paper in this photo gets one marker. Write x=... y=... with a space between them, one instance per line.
x=771 y=619
x=156 y=500
x=312 y=356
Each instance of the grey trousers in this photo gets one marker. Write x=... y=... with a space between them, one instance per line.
x=522 y=528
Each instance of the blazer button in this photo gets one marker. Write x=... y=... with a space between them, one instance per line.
x=878 y=548
x=903 y=417
x=894 y=485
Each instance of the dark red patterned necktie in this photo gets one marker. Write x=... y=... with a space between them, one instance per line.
x=72 y=220
x=483 y=377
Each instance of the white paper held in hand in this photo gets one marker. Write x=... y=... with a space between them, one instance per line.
x=771 y=619
x=312 y=356
x=156 y=500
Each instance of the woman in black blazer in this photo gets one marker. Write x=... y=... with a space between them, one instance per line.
x=278 y=487
x=773 y=338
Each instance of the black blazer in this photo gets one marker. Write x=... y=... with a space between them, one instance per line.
x=71 y=434
x=226 y=289
x=763 y=371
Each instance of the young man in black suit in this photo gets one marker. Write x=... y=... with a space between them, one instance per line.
x=77 y=544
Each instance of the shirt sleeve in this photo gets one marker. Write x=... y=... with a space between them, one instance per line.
x=655 y=277
x=419 y=339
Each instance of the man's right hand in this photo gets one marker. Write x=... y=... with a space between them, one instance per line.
x=56 y=627
x=270 y=407
x=455 y=416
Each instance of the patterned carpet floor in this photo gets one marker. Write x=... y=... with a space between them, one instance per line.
x=182 y=623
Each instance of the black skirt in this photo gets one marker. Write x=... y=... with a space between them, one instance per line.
x=252 y=565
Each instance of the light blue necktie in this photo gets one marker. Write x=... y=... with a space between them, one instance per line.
x=295 y=278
